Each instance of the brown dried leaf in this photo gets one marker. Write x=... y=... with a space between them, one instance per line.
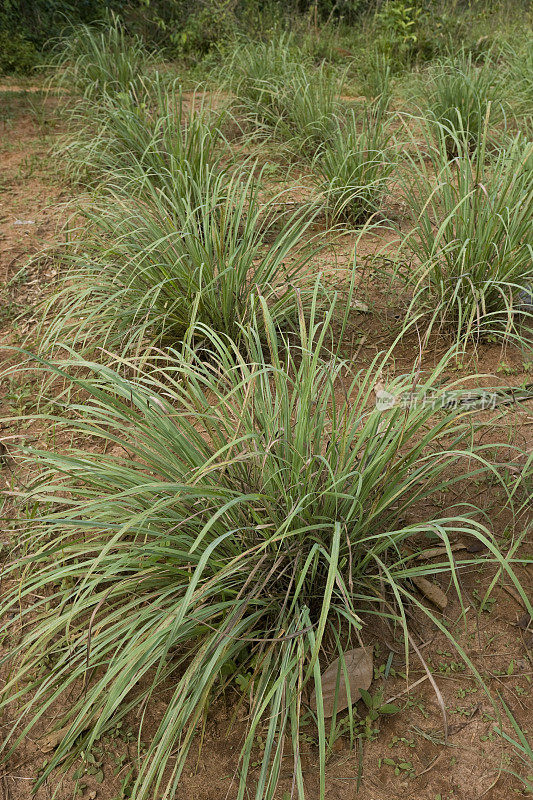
x=430 y=590
x=358 y=305
x=360 y=671
x=434 y=552
x=52 y=740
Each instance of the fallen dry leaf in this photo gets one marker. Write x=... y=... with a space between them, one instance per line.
x=431 y=591
x=51 y=741
x=360 y=671
x=434 y=552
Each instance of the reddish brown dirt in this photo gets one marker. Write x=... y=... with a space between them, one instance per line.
x=474 y=762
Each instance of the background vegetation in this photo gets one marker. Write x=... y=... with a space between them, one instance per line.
x=405 y=31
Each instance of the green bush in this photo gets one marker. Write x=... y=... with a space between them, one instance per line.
x=17 y=54
x=398 y=26
x=206 y=29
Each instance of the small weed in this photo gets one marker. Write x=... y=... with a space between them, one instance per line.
x=396 y=741
x=404 y=768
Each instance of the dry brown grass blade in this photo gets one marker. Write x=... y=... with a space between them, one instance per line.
x=436 y=689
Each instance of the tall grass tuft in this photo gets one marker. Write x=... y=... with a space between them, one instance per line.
x=518 y=76
x=98 y=60
x=281 y=96
x=354 y=166
x=130 y=142
x=258 y=72
x=457 y=92
x=199 y=250
x=245 y=510
x=375 y=76
x=310 y=108
x=472 y=242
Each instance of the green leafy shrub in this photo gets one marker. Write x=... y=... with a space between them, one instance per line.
x=443 y=28
x=17 y=54
x=398 y=22
x=207 y=28
x=241 y=510
x=39 y=21
x=473 y=240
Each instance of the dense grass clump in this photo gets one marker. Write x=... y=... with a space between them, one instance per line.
x=310 y=107
x=258 y=71
x=353 y=167
x=457 y=93
x=152 y=137
x=472 y=242
x=95 y=60
x=240 y=509
x=518 y=67
x=282 y=97
x=375 y=76
x=199 y=250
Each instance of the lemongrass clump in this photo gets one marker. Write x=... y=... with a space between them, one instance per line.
x=199 y=250
x=150 y=137
x=472 y=242
x=353 y=168
x=456 y=93
x=245 y=508
x=95 y=60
